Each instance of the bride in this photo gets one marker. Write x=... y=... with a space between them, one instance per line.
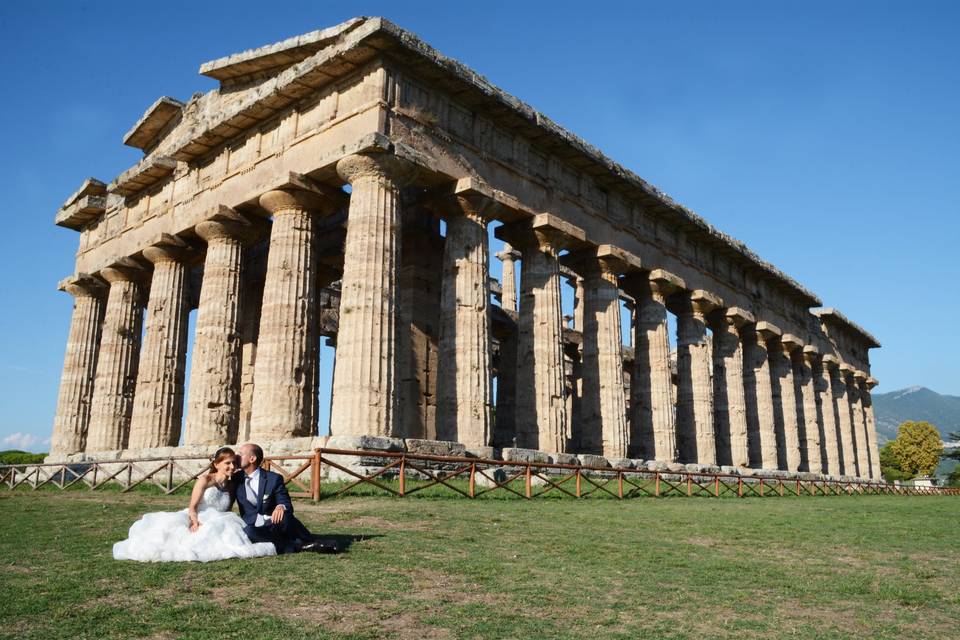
x=206 y=530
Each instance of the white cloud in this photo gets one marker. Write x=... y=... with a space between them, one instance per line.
x=25 y=442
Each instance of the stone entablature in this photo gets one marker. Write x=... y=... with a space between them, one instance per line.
x=258 y=167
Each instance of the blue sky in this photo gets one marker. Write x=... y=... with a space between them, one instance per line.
x=823 y=134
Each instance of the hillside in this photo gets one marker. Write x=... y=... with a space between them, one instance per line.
x=915 y=403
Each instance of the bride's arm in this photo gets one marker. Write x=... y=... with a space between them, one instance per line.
x=198 y=488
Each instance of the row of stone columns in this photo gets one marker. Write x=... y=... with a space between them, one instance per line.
x=735 y=397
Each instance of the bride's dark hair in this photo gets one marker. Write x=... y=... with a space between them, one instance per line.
x=219 y=456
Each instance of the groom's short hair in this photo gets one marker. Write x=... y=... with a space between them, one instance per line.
x=256 y=450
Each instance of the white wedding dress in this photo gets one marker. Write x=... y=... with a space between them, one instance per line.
x=165 y=536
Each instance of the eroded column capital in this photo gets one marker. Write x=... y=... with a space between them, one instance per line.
x=810 y=354
x=543 y=232
x=167 y=248
x=83 y=285
x=767 y=331
x=380 y=166
x=830 y=361
x=847 y=370
x=125 y=270
x=699 y=302
x=872 y=382
x=294 y=199
x=736 y=317
x=508 y=253
x=790 y=343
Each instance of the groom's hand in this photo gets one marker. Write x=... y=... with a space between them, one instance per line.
x=277 y=516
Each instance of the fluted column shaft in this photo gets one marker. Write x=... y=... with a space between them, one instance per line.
x=871 y=427
x=847 y=440
x=653 y=425
x=116 y=376
x=782 y=370
x=364 y=396
x=213 y=400
x=284 y=373
x=761 y=414
x=603 y=405
x=807 y=402
x=730 y=405
x=695 y=435
x=579 y=308
x=158 y=402
x=79 y=366
x=828 y=414
x=508 y=284
x=464 y=383
x=540 y=410
x=858 y=423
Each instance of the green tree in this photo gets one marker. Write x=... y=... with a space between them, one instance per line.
x=890 y=464
x=917 y=447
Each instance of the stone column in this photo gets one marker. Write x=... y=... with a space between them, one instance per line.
x=866 y=458
x=871 y=421
x=848 y=442
x=729 y=399
x=508 y=296
x=505 y=423
x=158 y=402
x=807 y=402
x=79 y=365
x=603 y=406
x=116 y=375
x=782 y=370
x=541 y=417
x=653 y=425
x=828 y=413
x=578 y=304
x=213 y=399
x=364 y=395
x=283 y=404
x=464 y=383
x=695 y=436
x=760 y=412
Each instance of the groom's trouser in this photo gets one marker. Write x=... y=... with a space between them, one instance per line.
x=283 y=535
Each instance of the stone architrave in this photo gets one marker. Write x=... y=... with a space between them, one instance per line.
x=364 y=389
x=287 y=346
x=79 y=365
x=508 y=258
x=782 y=370
x=213 y=399
x=464 y=382
x=830 y=448
x=848 y=443
x=158 y=401
x=696 y=441
x=760 y=409
x=653 y=427
x=807 y=403
x=116 y=376
x=603 y=411
x=729 y=399
x=871 y=421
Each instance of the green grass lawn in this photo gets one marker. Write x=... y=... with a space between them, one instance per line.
x=826 y=567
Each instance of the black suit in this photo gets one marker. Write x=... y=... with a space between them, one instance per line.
x=272 y=492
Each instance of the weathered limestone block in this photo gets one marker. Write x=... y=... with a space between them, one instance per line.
x=695 y=436
x=603 y=405
x=283 y=398
x=591 y=460
x=508 y=257
x=517 y=454
x=729 y=400
x=783 y=380
x=79 y=365
x=158 y=401
x=826 y=404
x=653 y=425
x=465 y=385
x=807 y=404
x=760 y=407
x=213 y=397
x=116 y=376
x=364 y=389
x=435 y=447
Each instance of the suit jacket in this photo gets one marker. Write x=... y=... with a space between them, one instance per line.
x=272 y=492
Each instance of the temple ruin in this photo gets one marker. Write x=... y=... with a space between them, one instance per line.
x=341 y=186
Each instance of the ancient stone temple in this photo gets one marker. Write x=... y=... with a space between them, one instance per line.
x=342 y=186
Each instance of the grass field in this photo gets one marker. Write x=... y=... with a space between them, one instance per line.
x=826 y=567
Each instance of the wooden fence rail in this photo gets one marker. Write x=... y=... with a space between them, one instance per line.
x=392 y=472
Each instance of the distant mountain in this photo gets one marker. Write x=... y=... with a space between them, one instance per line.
x=918 y=404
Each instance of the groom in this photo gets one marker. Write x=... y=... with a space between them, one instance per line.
x=265 y=506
